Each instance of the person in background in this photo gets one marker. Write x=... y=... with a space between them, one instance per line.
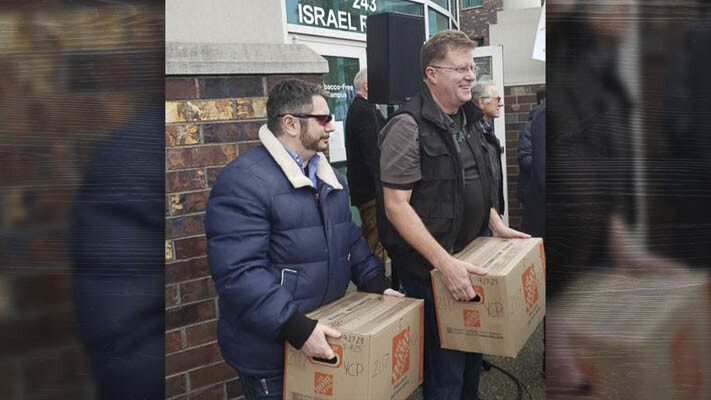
x=363 y=122
x=487 y=99
x=524 y=149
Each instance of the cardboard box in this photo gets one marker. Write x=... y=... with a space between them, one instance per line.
x=511 y=298
x=379 y=355
x=640 y=337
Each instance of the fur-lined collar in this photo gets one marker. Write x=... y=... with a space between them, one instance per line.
x=291 y=168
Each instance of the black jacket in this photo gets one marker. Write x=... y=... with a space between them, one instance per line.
x=437 y=198
x=493 y=151
x=363 y=122
x=524 y=153
x=534 y=217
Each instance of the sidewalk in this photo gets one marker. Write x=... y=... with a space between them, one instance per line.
x=527 y=367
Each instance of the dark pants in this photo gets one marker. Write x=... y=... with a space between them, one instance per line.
x=262 y=388
x=448 y=374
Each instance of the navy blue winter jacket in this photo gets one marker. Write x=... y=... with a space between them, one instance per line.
x=278 y=248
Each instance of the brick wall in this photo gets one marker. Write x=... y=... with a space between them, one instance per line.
x=209 y=122
x=475 y=21
x=64 y=89
x=519 y=101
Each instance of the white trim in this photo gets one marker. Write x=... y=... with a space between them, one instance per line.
x=324 y=32
x=292 y=171
x=439 y=8
x=287 y=270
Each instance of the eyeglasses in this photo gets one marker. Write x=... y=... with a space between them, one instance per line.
x=498 y=99
x=323 y=119
x=459 y=70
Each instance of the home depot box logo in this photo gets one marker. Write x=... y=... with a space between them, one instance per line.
x=530 y=287
x=401 y=355
x=378 y=356
x=510 y=299
x=323 y=384
x=471 y=318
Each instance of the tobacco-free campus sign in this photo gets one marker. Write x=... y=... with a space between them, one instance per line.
x=344 y=15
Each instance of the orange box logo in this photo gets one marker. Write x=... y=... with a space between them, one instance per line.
x=323 y=384
x=471 y=318
x=530 y=287
x=401 y=354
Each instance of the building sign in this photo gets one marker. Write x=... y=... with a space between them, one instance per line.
x=344 y=15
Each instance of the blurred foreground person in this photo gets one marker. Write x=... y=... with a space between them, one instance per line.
x=601 y=323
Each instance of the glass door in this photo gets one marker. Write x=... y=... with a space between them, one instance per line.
x=344 y=62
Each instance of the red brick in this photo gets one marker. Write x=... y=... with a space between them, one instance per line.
x=212 y=174
x=272 y=80
x=231 y=132
x=184 y=226
x=189 y=314
x=197 y=290
x=190 y=247
x=176 y=385
x=37 y=291
x=244 y=147
x=183 y=181
x=192 y=358
x=173 y=342
x=200 y=156
x=234 y=389
x=180 y=89
x=200 y=334
x=214 y=393
x=526 y=99
x=171 y=296
x=38 y=332
x=187 y=203
x=56 y=370
x=210 y=375
x=184 y=270
x=244 y=86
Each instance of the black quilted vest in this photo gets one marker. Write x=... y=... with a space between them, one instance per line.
x=438 y=196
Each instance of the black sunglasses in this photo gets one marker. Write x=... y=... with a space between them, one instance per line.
x=323 y=119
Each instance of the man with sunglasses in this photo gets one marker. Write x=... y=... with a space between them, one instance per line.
x=436 y=195
x=281 y=242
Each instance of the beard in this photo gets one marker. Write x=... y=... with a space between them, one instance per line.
x=312 y=142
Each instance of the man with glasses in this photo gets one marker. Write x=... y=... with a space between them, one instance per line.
x=436 y=195
x=488 y=101
x=281 y=242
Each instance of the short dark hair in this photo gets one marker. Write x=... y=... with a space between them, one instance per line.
x=540 y=94
x=436 y=48
x=291 y=96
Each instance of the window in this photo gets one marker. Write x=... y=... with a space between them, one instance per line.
x=441 y=3
x=438 y=22
x=471 y=4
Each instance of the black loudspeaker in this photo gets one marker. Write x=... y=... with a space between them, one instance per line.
x=394 y=43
